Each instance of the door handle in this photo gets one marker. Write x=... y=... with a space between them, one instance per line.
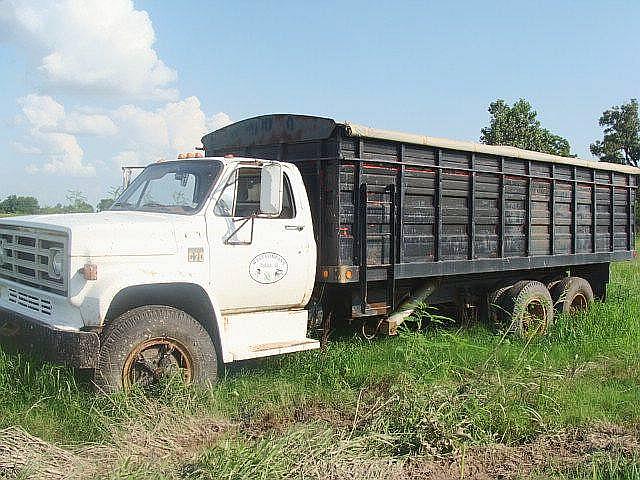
x=299 y=228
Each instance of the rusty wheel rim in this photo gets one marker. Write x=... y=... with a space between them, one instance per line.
x=155 y=359
x=578 y=303
x=534 y=319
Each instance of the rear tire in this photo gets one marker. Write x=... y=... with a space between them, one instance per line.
x=495 y=309
x=527 y=309
x=571 y=295
x=147 y=343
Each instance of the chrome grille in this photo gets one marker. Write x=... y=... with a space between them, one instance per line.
x=32 y=302
x=28 y=251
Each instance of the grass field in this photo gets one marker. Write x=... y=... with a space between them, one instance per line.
x=436 y=403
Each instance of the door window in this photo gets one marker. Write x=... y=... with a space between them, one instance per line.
x=241 y=195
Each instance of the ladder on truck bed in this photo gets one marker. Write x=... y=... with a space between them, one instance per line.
x=361 y=254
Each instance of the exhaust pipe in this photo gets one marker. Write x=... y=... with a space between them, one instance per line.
x=408 y=306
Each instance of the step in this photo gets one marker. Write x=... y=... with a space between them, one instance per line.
x=276 y=348
x=371 y=310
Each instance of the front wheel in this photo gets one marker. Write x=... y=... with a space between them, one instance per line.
x=148 y=344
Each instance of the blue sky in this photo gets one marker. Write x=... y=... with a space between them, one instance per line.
x=87 y=86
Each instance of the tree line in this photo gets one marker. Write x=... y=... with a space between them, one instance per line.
x=76 y=202
x=514 y=125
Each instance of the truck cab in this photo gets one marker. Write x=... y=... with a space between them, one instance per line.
x=198 y=262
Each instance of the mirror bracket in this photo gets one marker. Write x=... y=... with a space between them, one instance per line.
x=228 y=241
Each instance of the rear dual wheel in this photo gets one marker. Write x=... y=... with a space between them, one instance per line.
x=525 y=308
x=571 y=295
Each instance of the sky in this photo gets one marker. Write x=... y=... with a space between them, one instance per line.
x=90 y=85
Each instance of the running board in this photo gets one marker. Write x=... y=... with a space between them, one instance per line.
x=276 y=348
x=261 y=334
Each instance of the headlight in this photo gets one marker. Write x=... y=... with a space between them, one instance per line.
x=56 y=261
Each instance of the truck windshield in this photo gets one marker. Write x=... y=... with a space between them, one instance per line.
x=171 y=187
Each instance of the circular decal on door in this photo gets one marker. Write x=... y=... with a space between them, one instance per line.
x=268 y=267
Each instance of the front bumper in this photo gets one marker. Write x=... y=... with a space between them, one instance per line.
x=75 y=348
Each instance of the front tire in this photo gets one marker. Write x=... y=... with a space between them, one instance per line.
x=146 y=344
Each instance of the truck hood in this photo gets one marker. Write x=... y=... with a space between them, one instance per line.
x=108 y=233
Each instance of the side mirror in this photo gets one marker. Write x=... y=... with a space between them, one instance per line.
x=271 y=184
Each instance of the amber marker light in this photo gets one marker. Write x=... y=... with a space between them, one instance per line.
x=348 y=274
x=325 y=274
x=90 y=271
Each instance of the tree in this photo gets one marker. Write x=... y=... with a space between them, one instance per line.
x=57 y=208
x=621 y=142
x=15 y=205
x=77 y=202
x=518 y=126
x=105 y=203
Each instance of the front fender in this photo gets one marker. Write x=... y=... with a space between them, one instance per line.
x=94 y=298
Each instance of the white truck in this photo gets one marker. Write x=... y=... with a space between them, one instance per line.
x=205 y=261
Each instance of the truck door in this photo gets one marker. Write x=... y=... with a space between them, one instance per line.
x=260 y=262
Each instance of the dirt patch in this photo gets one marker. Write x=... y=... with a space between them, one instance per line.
x=161 y=440
x=167 y=440
x=25 y=456
x=164 y=442
x=371 y=400
x=562 y=451
x=270 y=421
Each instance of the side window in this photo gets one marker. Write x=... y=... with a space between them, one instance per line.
x=247 y=192
x=241 y=196
x=288 y=206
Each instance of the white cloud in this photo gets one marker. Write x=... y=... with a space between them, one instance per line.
x=45 y=114
x=93 y=48
x=217 y=121
x=143 y=135
x=89 y=124
x=63 y=155
x=47 y=136
x=163 y=132
x=90 y=45
x=127 y=158
x=41 y=111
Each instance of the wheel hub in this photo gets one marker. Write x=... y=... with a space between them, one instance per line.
x=578 y=303
x=534 y=320
x=155 y=359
